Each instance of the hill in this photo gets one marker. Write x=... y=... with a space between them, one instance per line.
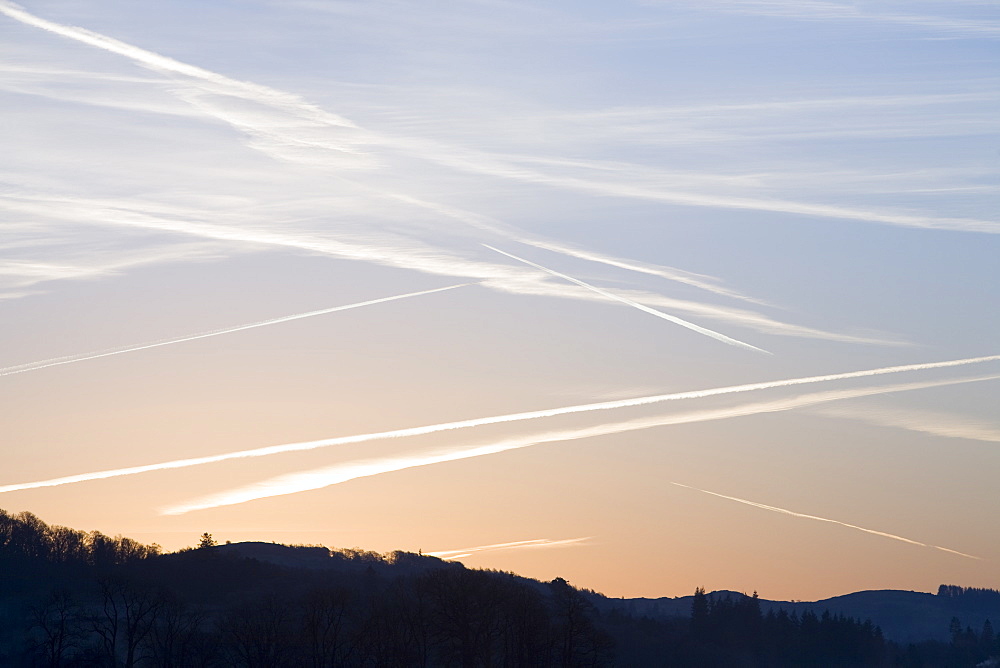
x=903 y=616
x=73 y=598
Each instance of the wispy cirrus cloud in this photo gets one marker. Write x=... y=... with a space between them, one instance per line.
x=217 y=82
x=291 y=128
x=729 y=201
x=947 y=22
x=785 y=120
x=247 y=230
x=493 y=226
x=121 y=92
x=22 y=272
x=886 y=116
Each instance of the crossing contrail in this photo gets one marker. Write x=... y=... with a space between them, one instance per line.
x=699 y=281
x=293 y=483
x=313 y=117
x=133 y=214
x=494 y=226
x=477 y=422
x=642 y=307
x=263 y=94
x=70 y=359
x=784 y=511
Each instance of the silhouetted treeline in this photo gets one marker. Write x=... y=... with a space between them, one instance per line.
x=970 y=596
x=968 y=647
x=215 y=606
x=732 y=631
x=266 y=616
x=75 y=599
x=25 y=537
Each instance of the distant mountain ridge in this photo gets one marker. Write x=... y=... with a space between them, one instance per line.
x=903 y=616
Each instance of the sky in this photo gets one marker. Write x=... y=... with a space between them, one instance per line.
x=648 y=295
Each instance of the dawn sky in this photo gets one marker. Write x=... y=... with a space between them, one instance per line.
x=648 y=295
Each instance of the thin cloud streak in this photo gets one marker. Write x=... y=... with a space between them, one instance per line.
x=812 y=105
x=80 y=265
x=115 y=214
x=736 y=202
x=785 y=511
x=660 y=314
x=477 y=422
x=480 y=221
x=70 y=359
x=537 y=543
x=491 y=225
x=924 y=422
x=256 y=92
x=823 y=10
x=294 y=483
x=481 y=163
x=670 y=273
x=387 y=252
x=280 y=140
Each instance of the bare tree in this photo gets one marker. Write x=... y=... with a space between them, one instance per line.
x=578 y=641
x=67 y=545
x=465 y=610
x=257 y=634
x=396 y=629
x=124 y=620
x=178 y=638
x=324 y=621
x=56 y=625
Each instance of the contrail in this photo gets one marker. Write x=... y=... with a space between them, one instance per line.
x=312 y=116
x=263 y=94
x=501 y=276
x=824 y=519
x=467 y=160
x=836 y=10
x=659 y=314
x=293 y=483
x=478 y=422
x=494 y=226
x=670 y=273
x=70 y=359
x=515 y=545
x=925 y=422
x=715 y=201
